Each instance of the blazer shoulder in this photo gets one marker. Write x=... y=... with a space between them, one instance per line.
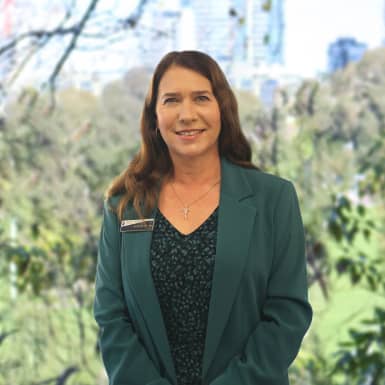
x=113 y=201
x=271 y=192
x=111 y=207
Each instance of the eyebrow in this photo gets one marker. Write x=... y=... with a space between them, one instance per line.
x=168 y=94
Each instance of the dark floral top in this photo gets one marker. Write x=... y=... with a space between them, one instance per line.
x=182 y=269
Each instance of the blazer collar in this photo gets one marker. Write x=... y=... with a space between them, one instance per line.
x=234 y=181
x=235 y=221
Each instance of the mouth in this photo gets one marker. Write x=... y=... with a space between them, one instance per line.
x=189 y=132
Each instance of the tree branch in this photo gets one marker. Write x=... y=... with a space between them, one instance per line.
x=71 y=46
x=110 y=28
x=39 y=34
x=132 y=20
x=60 y=380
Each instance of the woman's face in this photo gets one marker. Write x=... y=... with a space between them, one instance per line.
x=188 y=115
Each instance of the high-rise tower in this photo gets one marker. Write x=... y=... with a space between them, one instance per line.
x=265 y=31
x=215 y=29
x=343 y=51
x=157 y=32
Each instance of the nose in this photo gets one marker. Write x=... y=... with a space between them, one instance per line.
x=187 y=112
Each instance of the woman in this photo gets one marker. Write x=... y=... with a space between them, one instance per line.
x=201 y=275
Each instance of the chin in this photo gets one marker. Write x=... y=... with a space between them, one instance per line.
x=196 y=154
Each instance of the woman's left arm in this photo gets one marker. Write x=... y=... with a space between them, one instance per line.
x=286 y=314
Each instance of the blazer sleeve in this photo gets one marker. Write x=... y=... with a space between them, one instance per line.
x=286 y=313
x=125 y=358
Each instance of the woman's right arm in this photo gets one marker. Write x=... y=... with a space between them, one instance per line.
x=125 y=358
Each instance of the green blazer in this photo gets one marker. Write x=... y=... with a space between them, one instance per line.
x=258 y=313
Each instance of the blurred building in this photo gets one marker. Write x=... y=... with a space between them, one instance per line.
x=158 y=30
x=216 y=29
x=268 y=89
x=343 y=51
x=246 y=32
x=265 y=37
x=187 y=33
x=246 y=37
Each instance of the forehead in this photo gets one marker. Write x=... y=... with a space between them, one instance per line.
x=177 y=79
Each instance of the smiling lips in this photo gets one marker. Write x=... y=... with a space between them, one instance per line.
x=189 y=132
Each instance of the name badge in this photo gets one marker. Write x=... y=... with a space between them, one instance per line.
x=131 y=225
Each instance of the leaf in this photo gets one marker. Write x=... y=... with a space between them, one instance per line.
x=367 y=234
x=343 y=264
x=361 y=210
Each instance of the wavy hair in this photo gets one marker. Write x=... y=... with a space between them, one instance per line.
x=139 y=183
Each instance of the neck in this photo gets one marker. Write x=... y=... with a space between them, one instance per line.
x=197 y=171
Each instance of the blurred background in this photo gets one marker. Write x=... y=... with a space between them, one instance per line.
x=309 y=77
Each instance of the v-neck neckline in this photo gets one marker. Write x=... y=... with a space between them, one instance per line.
x=183 y=235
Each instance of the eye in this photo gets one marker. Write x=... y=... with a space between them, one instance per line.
x=202 y=98
x=170 y=100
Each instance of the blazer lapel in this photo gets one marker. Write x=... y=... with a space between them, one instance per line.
x=141 y=283
x=235 y=223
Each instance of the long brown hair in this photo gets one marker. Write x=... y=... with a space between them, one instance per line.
x=140 y=181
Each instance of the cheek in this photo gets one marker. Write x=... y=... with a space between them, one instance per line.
x=217 y=118
x=164 y=119
x=160 y=120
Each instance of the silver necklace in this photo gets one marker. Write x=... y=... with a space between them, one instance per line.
x=186 y=208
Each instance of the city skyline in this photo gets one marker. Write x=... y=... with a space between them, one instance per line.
x=307 y=27
x=312 y=25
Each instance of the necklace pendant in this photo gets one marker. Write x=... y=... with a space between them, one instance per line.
x=185 y=212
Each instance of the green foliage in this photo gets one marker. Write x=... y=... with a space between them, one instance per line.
x=344 y=224
x=55 y=166
x=266 y=5
x=362 y=357
x=47 y=337
x=352 y=117
x=329 y=139
x=312 y=368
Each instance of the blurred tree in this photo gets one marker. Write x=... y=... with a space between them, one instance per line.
x=79 y=28
x=360 y=359
x=53 y=171
x=329 y=139
x=345 y=119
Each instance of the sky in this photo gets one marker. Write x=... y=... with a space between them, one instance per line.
x=311 y=25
